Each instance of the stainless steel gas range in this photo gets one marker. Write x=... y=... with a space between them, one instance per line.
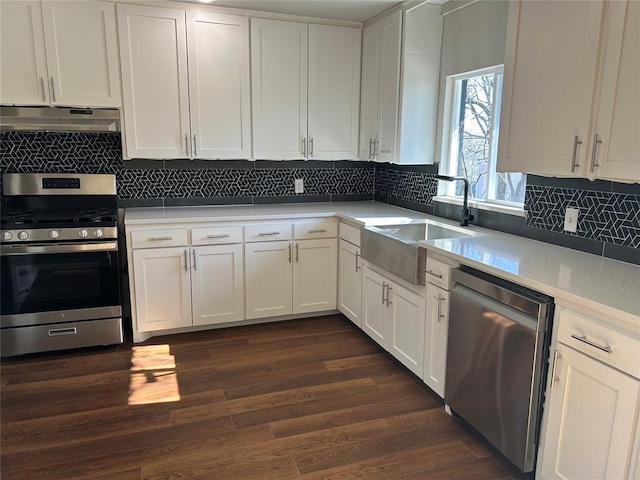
x=59 y=263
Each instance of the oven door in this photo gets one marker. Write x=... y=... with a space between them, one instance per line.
x=49 y=283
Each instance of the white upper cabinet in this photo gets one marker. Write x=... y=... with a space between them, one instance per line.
x=175 y=111
x=153 y=51
x=558 y=116
x=400 y=74
x=279 y=85
x=78 y=67
x=219 y=85
x=305 y=84
x=334 y=86
x=617 y=122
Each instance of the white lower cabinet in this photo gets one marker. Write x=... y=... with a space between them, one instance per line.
x=350 y=282
x=395 y=317
x=162 y=285
x=290 y=277
x=217 y=284
x=437 y=327
x=590 y=428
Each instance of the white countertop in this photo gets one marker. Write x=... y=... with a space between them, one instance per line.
x=590 y=281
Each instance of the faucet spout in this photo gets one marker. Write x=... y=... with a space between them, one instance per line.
x=465 y=213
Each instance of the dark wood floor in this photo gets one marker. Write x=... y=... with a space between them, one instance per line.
x=312 y=399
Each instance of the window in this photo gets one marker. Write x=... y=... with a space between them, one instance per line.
x=471 y=144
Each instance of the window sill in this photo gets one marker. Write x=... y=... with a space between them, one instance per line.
x=492 y=207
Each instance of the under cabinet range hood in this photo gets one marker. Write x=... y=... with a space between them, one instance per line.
x=60 y=119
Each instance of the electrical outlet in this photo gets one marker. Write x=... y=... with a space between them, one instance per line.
x=571 y=220
x=299 y=185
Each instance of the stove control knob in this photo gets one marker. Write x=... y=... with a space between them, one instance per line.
x=83 y=233
x=23 y=235
x=54 y=234
x=6 y=236
x=98 y=233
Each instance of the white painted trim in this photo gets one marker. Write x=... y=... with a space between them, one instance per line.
x=492 y=207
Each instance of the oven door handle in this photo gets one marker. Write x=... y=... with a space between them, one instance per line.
x=58 y=248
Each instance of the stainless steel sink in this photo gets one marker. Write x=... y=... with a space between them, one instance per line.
x=394 y=248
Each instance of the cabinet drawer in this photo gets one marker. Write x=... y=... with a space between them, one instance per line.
x=266 y=232
x=438 y=272
x=162 y=237
x=315 y=229
x=599 y=341
x=216 y=235
x=350 y=234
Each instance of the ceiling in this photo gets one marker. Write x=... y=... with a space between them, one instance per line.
x=355 y=10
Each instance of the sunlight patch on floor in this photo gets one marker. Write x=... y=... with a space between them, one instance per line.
x=153 y=375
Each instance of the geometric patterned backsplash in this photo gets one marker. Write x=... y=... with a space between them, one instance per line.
x=604 y=216
x=101 y=153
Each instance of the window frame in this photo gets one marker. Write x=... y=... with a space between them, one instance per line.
x=450 y=128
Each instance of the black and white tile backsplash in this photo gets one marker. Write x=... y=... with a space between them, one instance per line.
x=609 y=213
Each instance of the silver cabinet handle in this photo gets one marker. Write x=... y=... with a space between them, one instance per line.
x=57 y=332
x=311 y=146
x=268 y=234
x=221 y=235
x=158 y=239
x=357 y=257
x=584 y=339
x=304 y=146
x=375 y=147
x=321 y=230
x=554 y=379
x=186 y=144
x=289 y=253
x=431 y=272
x=297 y=253
x=195 y=146
x=389 y=294
x=186 y=261
x=384 y=286
x=53 y=90
x=195 y=261
x=596 y=141
x=370 y=143
x=44 y=98
x=440 y=314
x=576 y=142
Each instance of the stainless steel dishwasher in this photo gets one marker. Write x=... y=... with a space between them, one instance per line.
x=497 y=351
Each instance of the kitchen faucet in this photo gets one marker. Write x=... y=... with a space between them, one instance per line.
x=465 y=214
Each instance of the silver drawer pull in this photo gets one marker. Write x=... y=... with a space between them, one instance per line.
x=321 y=230
x=159 y=239
x=63 y=331
x=431 y=272
x=268 y=234
x=584 y=339
x=222 y=235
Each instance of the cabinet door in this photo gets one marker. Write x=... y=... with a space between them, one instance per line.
x=435 y=355
x=388 y=94
x=268 y=276
x=82 y=57
x=314 y=275
x=407 y=318
x=162 y=288
x=279 y=89
x=589 y=428
x=370 y=82
x=219 y=85
x=374 y=310
x=549 y=79
x=153 y=55
x=23 y=65
x=217 y=284
x=617 y=122
x=334 y=89
x=350 y=282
